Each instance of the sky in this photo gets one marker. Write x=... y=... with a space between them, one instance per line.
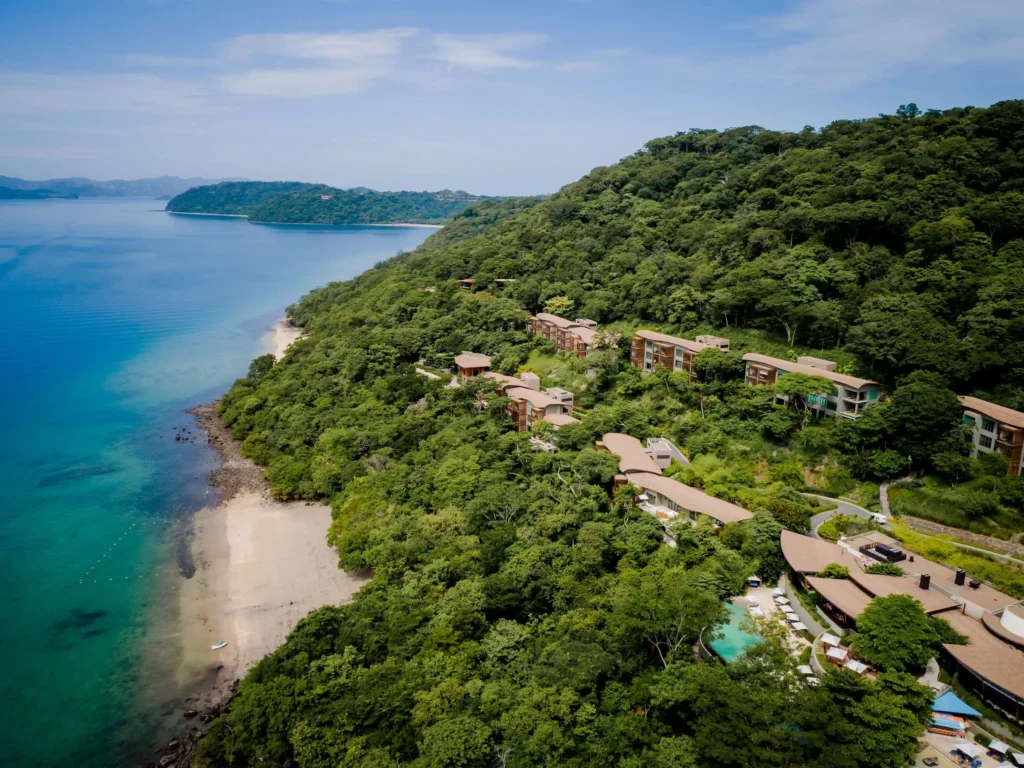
x=500 y=98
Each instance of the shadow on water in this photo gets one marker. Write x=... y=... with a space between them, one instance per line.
x=76 y=473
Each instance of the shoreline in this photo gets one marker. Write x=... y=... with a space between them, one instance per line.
x=261 y=566
x=302 y=223
x=277 y=340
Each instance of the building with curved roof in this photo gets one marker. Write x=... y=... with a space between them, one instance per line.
x=633 y=456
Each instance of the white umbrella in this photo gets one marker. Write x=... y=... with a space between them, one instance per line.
x=755 y=611
x=1017 y=757
x=856 y=666
x=798 y=625
x=999 y=746
x=791 y=615
x=829 y=639
x=836 y=653
x=782 y=600
x=971 y=750
x=805 y=669
x=778 y=592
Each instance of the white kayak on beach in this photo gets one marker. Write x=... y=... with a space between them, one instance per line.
x=218 y=646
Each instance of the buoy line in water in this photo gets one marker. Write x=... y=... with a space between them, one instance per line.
x=89 y=571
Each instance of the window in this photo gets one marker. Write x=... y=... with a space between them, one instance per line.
x=813 y=399
x=830 y=405
x=969 y=421
x=985 y=442
x=872 y=394
x=987 y=425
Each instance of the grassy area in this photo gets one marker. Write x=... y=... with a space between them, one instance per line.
x=933 y=499
x=1005 y=578
x=543 y=364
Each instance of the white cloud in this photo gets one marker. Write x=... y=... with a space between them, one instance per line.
x=341 y=46
x=301 y=83
x=840 y=43
x=30 y=93
x=484 y=52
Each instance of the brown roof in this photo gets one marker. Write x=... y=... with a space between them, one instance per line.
x=560 y=419
x=842 y=593
x=633 y=457
x=998 y=412
x=807 y=555
x=883 y=586
x=791 y=367
x=503 y=379
x=561 y=322
x=689 y=498
x=995 y=625
x=985 y=597
x=472 y=360
x=986 y=655
x=533 y=397
x=664 y=338
x=587 y=335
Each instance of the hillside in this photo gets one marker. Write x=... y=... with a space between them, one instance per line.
x=296 y=203
x=6 y=193
x=522 y=615
x=230 y=198
x=159 y=186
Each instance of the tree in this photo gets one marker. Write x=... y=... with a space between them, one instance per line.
x=953 y=467
x=924 y=411
x=894 y=634
x=260 y=367
x=834 y=571
x=559 y=305
x=802 y=387
x=763 y=545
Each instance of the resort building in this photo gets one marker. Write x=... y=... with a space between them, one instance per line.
x=468 y=284
x=663 y=497
x=501 y=283
x=990 y=665
x=529 y=403
x=470 y=364
x=577 y=336
x=649 y=349
x=995 y=428
x=851 y=395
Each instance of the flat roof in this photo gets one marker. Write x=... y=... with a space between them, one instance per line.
x=998 y=412
x=633 y=457
x=986 y=655
x=503 y=379
x=842 y=593
x=561 y=322
x=472 y=360
x=560 y=419
x=807 y=555
x=883 y=586
x=791 y=367
x=985 y=597
x=664 y=338
x=690 y=498
x=532 y=396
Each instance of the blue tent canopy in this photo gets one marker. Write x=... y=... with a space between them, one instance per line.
x=949 y=725
x=950 y=704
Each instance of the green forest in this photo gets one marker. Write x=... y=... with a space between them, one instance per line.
x=520 y=614
x=289 y=202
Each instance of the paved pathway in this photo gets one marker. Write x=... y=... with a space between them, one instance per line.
x=842 y=508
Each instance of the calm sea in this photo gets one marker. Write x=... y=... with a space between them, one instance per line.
x=114 y=318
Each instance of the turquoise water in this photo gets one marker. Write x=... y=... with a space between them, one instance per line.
x=115 y=317
x=734 y=638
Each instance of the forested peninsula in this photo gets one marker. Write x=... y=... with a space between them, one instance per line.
x=521 y=613
x=289 y=202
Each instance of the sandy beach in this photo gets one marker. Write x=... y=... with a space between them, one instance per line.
x=277 y=340
x=260 y=566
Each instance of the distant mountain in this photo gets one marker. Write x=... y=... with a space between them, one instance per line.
x=289 y=202
x=161 y=186
x=6 y=193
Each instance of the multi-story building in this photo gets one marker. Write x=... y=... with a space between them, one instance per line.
x=569 y=335
x=650 y=348
x=529 y=403
x=995 y=428
x=851 y=395
x=664 y=497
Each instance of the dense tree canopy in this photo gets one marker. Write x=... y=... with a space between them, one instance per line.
x=290 y=202
x=520 y=614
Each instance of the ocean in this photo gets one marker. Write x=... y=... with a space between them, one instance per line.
x=114 y=318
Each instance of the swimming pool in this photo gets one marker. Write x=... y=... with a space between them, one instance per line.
x=734 y=639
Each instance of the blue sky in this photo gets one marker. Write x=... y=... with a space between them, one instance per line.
x=492 y=97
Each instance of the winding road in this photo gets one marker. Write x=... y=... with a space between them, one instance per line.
x=842 y=508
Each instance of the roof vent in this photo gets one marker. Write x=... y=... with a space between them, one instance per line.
x=926 y=581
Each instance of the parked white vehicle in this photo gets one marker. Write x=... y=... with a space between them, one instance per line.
x=878 y=517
